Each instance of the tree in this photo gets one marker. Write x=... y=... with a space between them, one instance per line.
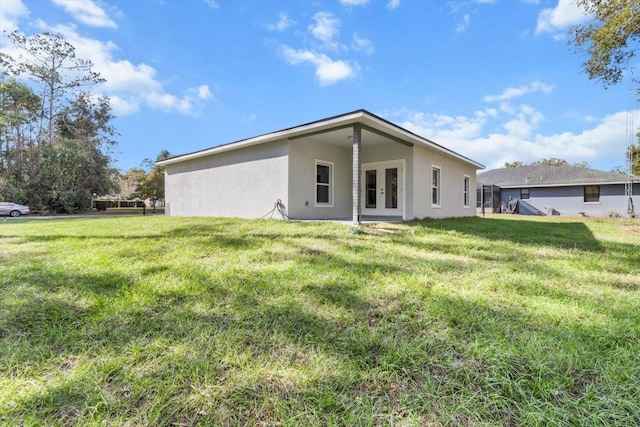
x=50 y=61
x=55 y=148
x=129 y=182
x=18 y=115
x=69 y=173
x=152 y=186
x=552 y=161
x=610 y=39
x=633 y=152
x=516 y=164
x=88 y=120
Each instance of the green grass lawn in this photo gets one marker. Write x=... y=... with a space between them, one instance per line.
x=153 y=320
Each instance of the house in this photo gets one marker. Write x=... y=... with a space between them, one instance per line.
x=355 y=166
x=558 y=190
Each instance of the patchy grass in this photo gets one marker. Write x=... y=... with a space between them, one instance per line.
x=182 y=321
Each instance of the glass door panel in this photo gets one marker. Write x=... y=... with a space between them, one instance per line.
x=371 y=189
x=391 y=184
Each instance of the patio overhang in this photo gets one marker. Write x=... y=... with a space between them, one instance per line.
x=353 y=135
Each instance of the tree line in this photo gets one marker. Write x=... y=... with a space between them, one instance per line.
x=57 y=139
x=553 y=161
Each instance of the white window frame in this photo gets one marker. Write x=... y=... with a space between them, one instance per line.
x=466 y=191
x=437 y=186
x=316 y=183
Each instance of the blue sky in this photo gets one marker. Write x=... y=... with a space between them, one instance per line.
x=491 y=79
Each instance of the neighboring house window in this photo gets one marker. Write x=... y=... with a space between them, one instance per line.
x=591 y=193
x=435 y=186
x=324 y=183
x=465 y=189
x=525 y=193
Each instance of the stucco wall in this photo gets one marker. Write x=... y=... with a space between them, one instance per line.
x=242 y=183
x=570 y=200
x=303 y=154
x=452 y=173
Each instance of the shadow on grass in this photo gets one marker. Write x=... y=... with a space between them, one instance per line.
x=318 y=340
x=458 y=360
x=562 y=235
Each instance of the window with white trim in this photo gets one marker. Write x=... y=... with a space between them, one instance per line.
x=435 y=186
x=465 y=191
x=324 y=183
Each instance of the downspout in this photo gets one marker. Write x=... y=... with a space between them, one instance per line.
x=356 y=143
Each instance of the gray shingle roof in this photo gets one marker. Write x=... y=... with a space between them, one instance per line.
x=550 y=176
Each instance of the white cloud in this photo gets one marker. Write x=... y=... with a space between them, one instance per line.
x=463 y=24
x=493 y=138
x=10 y=12
x=204 y=92
x=87 y=12
x=212 y=4
x=354 y=2
x=560 y=18
x=123 y=107
x=283 y=23
x=326 y=28
x=362 y=45
x=328 y=71
x=249 y=119
x=393 y=4
x=515 y=92
x=128 y=85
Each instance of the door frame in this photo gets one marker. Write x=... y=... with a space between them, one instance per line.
x=381 y=211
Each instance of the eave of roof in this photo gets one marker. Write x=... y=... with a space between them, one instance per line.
x=359 y=116
x=569 y=184
x=551 y=176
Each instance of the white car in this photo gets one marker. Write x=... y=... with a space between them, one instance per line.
x=12 y=209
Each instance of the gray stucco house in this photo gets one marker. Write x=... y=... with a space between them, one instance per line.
x=557 y=190
x=354 y=166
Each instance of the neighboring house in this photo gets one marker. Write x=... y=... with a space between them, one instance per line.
x=352 y=166
x=557 y=190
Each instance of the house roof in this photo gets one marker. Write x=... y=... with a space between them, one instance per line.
x=550 y=176
x=374 y=126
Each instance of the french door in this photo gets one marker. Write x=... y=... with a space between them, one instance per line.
x=382 y=188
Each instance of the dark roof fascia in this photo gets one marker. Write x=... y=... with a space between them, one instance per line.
x=357 y=117
x=569 y=184
x=552 y=176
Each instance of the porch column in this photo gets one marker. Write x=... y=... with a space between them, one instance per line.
x=356 y=141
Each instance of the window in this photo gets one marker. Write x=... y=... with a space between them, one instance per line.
x=435 y=186
x=591 y=193
x=465 y=192
x=324 y=183
x=525 y=193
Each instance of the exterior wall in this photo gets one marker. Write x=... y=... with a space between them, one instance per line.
x=243 y=183
x=303 y=154
x=452 y=173
x=570 y=200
